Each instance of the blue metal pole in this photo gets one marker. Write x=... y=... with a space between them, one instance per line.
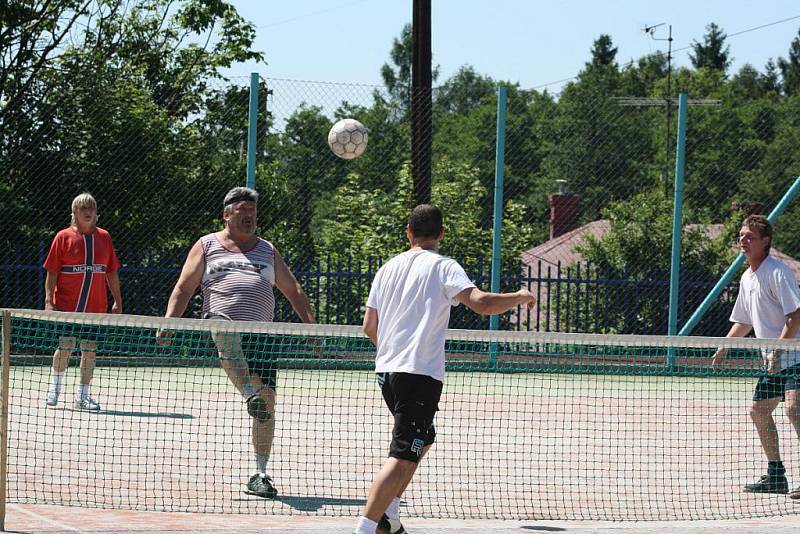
x=737 y=263
x=499 y=168
x=252 y=131
x=677 y=216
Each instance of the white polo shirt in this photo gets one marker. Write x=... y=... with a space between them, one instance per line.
x=765 y=298
x=413 y=293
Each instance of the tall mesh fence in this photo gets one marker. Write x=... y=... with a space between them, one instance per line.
x=588 y=192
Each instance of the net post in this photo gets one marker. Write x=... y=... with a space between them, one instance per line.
x=252 y=131
x=677 y=225
x=497 y=227
x=4 y=381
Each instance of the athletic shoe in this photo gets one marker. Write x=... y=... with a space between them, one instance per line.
x=795 y=494
x=52 y=397
x=87 y=403
x=390 y=526
x=769 y=484
x=257 y=408
x=261 y=486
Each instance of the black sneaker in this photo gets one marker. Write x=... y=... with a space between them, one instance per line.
x=769 y=484
x=260 y=485
x=391 y=526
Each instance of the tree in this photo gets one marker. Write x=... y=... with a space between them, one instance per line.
x=790 y=68
x=636 y=252
x=712 y=53
x=604 y=53
x=397 y=76
x=113 y=111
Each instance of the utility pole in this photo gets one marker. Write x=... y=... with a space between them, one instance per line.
x=421 y=102
x=651 y=30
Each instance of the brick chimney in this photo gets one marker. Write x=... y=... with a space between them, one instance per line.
x=563 y=210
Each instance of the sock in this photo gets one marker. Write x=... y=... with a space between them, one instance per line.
x=366 y=526
x=261 y=462
x=776 y=468
x=83 y=391
x=56 y=379
x=393 y=511
x=248 y=390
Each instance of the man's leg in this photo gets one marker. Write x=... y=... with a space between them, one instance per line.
x=792 y=408
x=263 y=433
x=60 y=362
x=83 y=399
x=761 y=414
x=775 y=479
x=389 y=483
x=232 y=360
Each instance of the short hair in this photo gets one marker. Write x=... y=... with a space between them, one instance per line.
x=84 y=200
x=238 y=194
x=760 y=224
x=425 y=221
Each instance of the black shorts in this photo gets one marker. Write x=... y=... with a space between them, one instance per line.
x=414 y=401
x=771 y=386
x=260 y=351
x=55 y=331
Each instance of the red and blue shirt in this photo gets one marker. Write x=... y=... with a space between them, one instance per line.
x=81 y=262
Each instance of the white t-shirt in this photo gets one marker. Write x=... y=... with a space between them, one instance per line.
x=413 y=293
x=765 y=298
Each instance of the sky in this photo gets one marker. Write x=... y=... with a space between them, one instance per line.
x=537 y=44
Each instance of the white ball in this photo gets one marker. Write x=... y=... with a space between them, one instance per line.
x=348 y=138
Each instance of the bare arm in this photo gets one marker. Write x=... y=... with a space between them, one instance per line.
x=190 y=278
x=789 y=331
x=494 y=303
x=49 y=287
x=737 y=330
x=113 y=284
x=370 y=326
x=290 y=287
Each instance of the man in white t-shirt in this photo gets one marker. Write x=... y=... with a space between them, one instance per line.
x=408 y=310
x=769 y=303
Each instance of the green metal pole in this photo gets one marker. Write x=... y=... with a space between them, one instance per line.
x=497 y=227
x=252 y=131
x=677 y=216
x=737 y=263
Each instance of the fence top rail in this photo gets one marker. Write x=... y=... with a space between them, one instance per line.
x=485 y=336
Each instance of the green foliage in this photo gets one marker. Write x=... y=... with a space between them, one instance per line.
x=790 y=68
x=712 y=53
x=637 y=249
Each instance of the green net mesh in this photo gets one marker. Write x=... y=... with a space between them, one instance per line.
x=532 y=425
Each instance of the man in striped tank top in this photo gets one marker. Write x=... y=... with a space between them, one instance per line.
x=237 y=271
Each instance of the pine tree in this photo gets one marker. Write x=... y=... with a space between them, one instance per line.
x=712 y=53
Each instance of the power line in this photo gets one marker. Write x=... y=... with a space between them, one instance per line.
x=660 y=53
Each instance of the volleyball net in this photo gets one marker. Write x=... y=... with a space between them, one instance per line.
x=532 y=425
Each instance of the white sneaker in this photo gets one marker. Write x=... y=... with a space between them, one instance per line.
x=52 y=397
x=87 y=403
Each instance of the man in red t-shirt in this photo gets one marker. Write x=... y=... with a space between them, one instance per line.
x=80 y=264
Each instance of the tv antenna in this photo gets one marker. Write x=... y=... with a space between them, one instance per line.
x=651 y=31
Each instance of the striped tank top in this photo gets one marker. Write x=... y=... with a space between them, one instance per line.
x=238 y=285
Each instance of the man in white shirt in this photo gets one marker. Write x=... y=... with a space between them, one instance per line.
x=408 y=310
x=769 y=303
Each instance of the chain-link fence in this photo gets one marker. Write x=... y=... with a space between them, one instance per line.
x=588 y=191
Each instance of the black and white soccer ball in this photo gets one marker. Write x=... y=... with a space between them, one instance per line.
x=348 y=138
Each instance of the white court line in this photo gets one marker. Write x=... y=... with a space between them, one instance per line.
x=41 y=518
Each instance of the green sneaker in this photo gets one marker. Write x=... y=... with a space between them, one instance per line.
x=260 y=485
